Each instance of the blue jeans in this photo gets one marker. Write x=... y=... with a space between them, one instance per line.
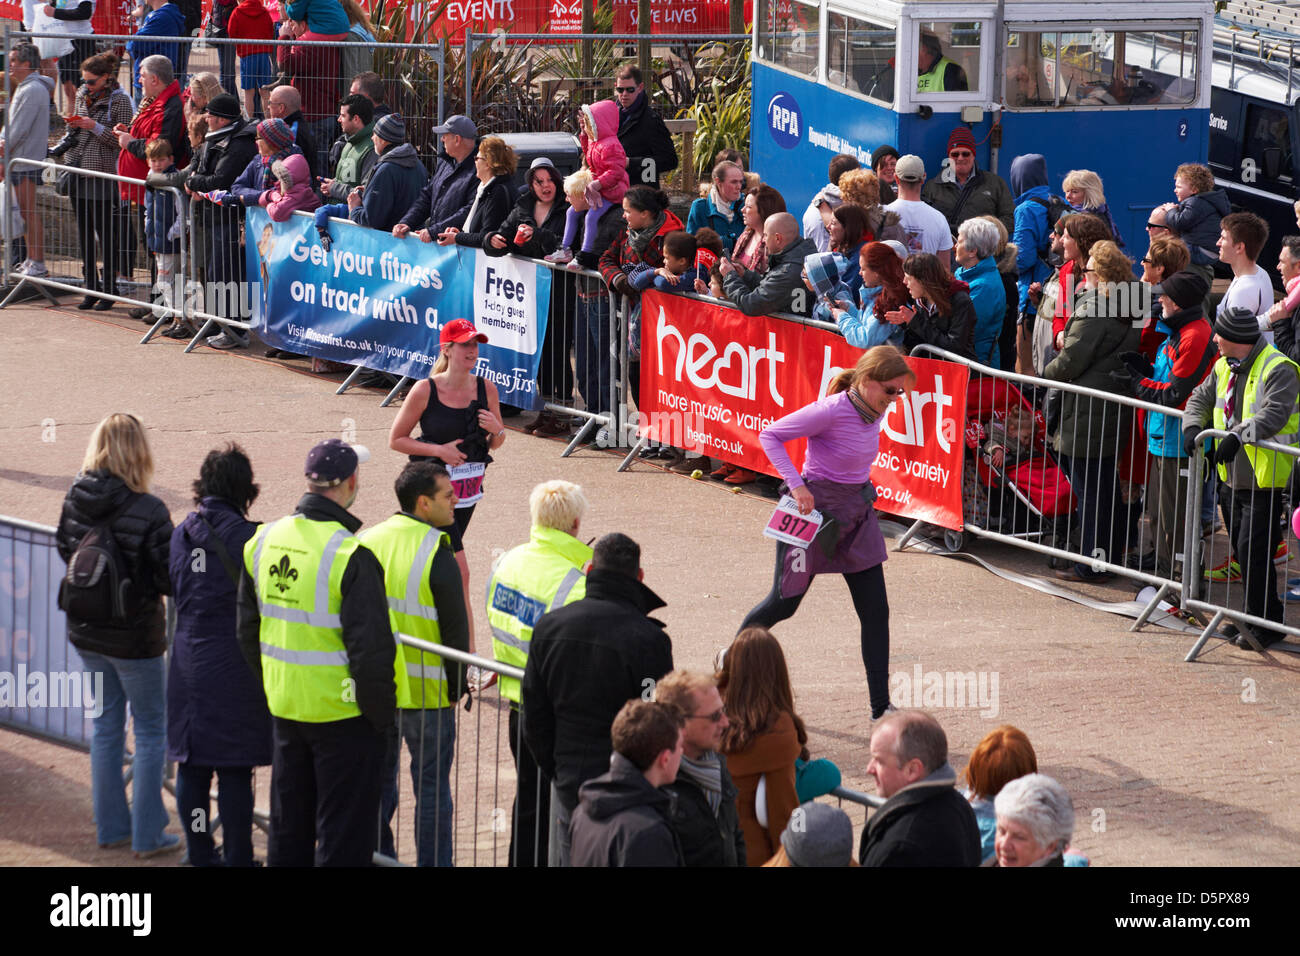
x=142 y=684
x=591 y=346
x=431 y=739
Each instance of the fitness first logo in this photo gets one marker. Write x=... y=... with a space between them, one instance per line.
x=784 y=120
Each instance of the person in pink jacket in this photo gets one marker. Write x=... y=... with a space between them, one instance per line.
x=294 y=191
x=603 y=155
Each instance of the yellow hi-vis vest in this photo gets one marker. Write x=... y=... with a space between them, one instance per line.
x=406 y=547
x=932 y=82
x=540 y=576
x=1271 y=468
x=297 y=566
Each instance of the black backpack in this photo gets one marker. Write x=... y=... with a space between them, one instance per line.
x=1056 y=208
x=98 y=588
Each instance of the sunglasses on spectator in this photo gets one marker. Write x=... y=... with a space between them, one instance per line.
x=1147 y=261
x=712 y=718
x=890 y=390
x=961 y=154
x=625 y=89
x=1156 y=225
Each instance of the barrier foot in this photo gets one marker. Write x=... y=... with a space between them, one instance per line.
x=1205 y=636
x=202 y=334
x=154 y=329
x=1151 y=606
x=13 y=293
x=636 y=449
x=388 y=399
x=347 y=382
x=908 y=536
x=578 y=438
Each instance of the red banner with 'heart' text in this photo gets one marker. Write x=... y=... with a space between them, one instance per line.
x=712 y=378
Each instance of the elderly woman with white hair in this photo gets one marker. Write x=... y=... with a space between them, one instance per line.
x=1035 y=822
x=976 y=254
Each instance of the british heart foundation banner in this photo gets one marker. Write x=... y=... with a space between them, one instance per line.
x=712 y=378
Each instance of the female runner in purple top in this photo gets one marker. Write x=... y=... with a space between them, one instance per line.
x=843 y=432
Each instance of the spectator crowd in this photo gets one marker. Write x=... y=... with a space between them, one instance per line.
x=708 y=769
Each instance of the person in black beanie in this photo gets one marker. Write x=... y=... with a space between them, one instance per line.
x=883 y=161
x=1252 y=396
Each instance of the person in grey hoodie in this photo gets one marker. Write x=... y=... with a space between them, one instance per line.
x=28 y=137
x=623 y=817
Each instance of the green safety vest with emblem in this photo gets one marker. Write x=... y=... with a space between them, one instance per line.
x=406 y=547
x=1272 y=469
x=540 y=576
x=296 y=565
x=932 y=82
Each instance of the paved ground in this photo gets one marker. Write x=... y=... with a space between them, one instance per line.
x=1168 y=763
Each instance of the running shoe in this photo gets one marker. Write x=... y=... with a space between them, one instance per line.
x=1229 y=570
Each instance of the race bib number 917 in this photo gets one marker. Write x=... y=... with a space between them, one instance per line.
x=788 y=525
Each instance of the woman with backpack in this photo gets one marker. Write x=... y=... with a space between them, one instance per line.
x=115 y=537
x=217 y=721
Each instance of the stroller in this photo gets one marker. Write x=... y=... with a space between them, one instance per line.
x=1025 y=495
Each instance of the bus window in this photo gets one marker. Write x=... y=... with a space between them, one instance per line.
x=1079 y=68
x=860 y=56
x=947 y=57
x=1268 y=142
x=788 y=35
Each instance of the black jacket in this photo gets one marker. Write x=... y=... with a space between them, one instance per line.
x=586 y=660
x=367 y=636
x=1284 y=335
x=493 y=208
x=952 y=333
x=546 y=235
x=446 y=197
x=985 y=194
x=143 y=533
x=218 y=164
x=647 y=142
x=926 y=824
x=623 y=821
x=707 y=839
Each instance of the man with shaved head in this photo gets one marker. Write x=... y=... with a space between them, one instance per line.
x=781 y=287
x=285 y=103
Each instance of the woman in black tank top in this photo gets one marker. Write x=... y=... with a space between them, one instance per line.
x=459 y=416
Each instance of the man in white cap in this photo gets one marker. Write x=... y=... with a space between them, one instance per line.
x=313 y=625
x=926 y=228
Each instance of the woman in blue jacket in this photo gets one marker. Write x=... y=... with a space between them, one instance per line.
x=977 y=244
x=720 y=209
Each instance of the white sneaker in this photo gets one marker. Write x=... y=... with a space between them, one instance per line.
x=224 y=341
x=35 y=269
x=560 y=255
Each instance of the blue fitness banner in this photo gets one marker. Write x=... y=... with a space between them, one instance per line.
x=377 y=301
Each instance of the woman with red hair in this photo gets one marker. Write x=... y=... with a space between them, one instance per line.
x=883 y=291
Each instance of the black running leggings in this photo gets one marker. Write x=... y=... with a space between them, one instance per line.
x=872 y=605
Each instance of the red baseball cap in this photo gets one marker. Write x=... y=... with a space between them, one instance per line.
x=461 y=330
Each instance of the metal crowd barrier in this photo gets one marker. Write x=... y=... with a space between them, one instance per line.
x=33 y=640
x=1265 y=520
x=67 y=252
x=480 y=771
x=1081 y=509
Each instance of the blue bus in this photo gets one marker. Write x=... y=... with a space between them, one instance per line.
x=1122 y=89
